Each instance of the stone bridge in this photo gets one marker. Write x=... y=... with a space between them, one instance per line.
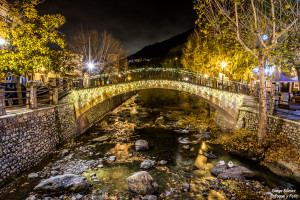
x=226 y=97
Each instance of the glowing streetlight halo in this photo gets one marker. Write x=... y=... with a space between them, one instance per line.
x=90 y=65
x=223 y=64
x=2 y=41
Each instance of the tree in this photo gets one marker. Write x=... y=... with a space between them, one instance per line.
x=103 y=50
x=63 y=61
x=204 y=53
x=27 y=36
x=259 y=26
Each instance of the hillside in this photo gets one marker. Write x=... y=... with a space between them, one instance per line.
x=168 y=48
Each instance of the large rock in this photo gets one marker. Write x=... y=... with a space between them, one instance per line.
x=210 y=155
x=142 y=183
x=235 y=172
x=147 y=164
x=285 y=168
x=141 y=145
x=101 y=139
x=63 y=183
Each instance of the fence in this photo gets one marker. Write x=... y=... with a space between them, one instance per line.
x=51 y=92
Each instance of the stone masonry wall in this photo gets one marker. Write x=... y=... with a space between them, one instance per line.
x=27 y=138
x=97 y=112
x=248 y=119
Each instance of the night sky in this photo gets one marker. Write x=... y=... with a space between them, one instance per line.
x=136 y=23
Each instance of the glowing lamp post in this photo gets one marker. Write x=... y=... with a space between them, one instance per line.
x=223 y=65
x=2 y=41
x=90 y=67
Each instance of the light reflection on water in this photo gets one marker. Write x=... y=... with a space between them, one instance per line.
x=164 y=145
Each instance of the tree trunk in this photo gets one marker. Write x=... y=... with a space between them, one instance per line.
x=298 y=74
x=262 y=131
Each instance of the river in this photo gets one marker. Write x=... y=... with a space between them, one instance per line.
x=183 y=151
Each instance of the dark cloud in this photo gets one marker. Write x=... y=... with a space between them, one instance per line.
x=136 y=23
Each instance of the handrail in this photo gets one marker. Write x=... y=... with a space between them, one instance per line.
x=171 y=74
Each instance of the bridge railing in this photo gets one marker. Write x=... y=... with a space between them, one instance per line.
x=51 y=92
x=169 y=74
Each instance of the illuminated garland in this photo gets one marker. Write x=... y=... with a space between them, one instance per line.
x=92 y=96
x=171 y=70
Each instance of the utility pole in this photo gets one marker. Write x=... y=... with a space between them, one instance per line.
x=89 y=54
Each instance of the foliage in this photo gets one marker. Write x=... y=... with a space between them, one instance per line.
x=204 y=53
x=27 y=36
x=63 y=61
x=171 y=63
x=260 y=27
x=274 y=147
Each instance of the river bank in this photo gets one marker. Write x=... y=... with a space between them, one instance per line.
x=179 y=160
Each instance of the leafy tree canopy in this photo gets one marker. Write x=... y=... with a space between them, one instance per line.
x=205 y=51
x=27 y=36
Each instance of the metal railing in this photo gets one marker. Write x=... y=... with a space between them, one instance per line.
x=170 y=74
x=51 y=92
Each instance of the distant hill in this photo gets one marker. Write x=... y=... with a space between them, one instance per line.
x=169 y=48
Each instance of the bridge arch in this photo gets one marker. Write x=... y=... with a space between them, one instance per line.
x=225 y=102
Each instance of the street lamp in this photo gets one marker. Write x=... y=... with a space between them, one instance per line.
x=2 y=41
x=90 y=66
x=223 y=65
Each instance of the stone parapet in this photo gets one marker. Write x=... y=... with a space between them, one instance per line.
x=27 y=138
x=248 y=119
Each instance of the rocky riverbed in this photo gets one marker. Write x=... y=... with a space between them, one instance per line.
x=143 y=153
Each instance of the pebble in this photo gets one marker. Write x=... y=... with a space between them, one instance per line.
x=79 y=196
x=33 y=175
x=112 y=158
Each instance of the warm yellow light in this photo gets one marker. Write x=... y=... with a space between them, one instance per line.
x=43 y=69
x=206 y=76
x=2 y=41
x=223 y=64
x=129 y=78
x=119 y=75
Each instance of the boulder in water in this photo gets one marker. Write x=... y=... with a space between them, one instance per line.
x=210 y=155
x=163 y=162
x=235 y=172
x=147 y=164
x=183 y=131
x=182 y=140
x=63 y=183
x=33 y=175
x=141 y=145
x=142 y=183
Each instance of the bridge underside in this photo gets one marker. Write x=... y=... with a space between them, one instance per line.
x=226 y=103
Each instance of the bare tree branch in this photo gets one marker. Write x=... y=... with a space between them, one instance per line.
x=238 y=33
x=255 y=24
